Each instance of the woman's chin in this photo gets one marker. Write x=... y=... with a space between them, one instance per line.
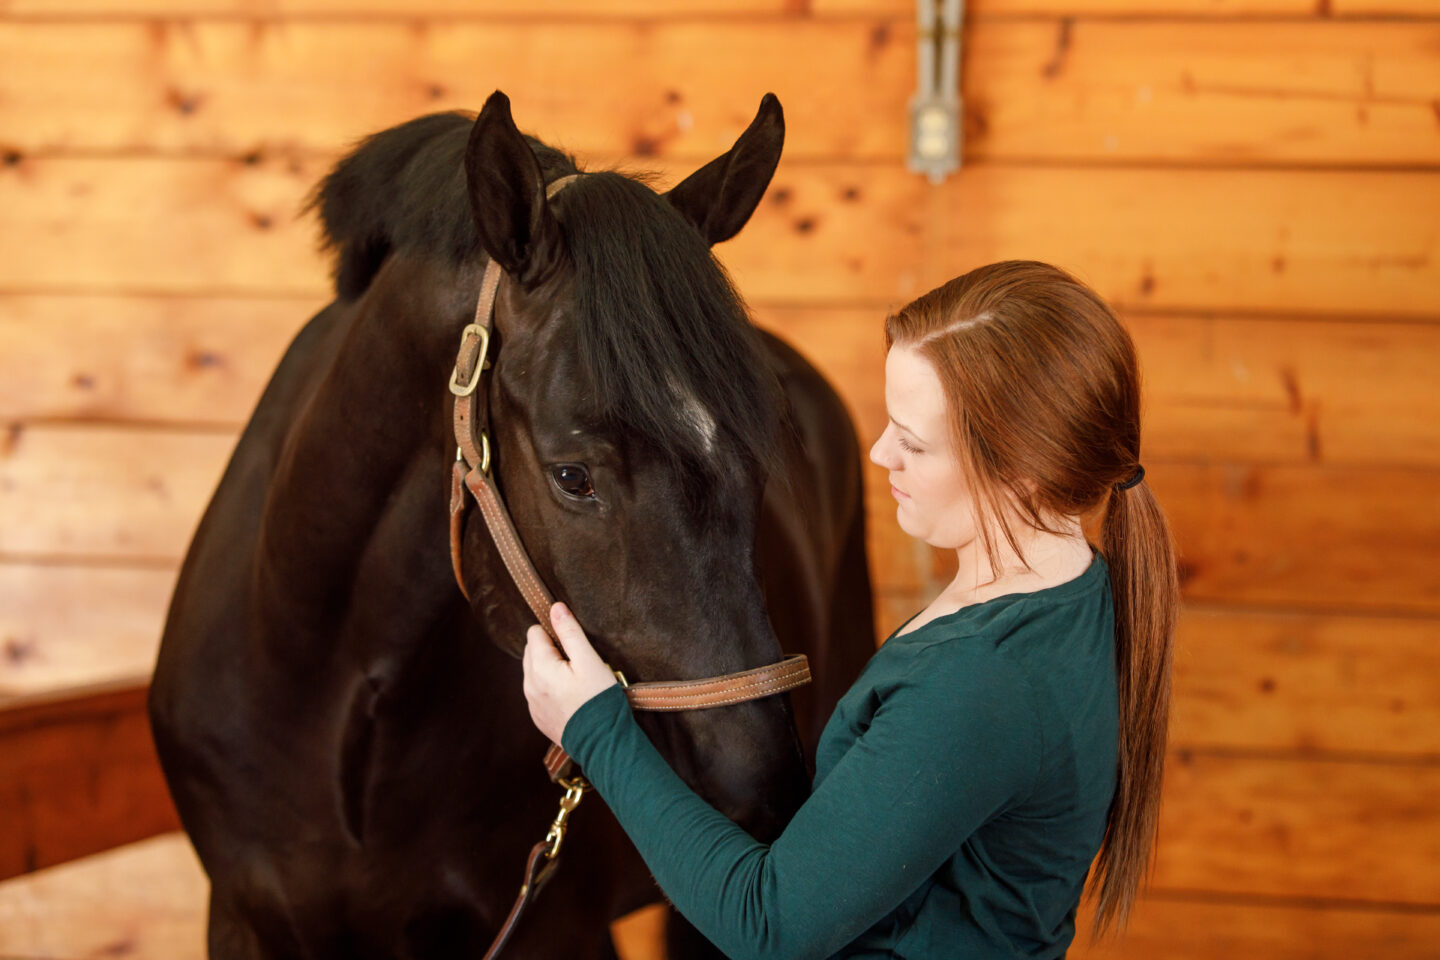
x=903 y=519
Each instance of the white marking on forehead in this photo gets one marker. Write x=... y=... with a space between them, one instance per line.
x=695 y=414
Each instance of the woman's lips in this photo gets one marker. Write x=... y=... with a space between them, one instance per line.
x=897 y=493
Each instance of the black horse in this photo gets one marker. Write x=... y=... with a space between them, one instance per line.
x=344 y=734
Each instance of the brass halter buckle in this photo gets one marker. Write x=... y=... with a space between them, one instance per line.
x=465 y=389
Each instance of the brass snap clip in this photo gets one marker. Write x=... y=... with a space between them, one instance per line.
x=575 y=788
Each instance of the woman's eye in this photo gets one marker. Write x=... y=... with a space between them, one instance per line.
x=573 y=480
x=907 y=446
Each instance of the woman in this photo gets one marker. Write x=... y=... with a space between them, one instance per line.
x=1004 y=734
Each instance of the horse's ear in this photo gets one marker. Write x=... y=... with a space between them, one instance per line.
x=507 y=195
x=720 y=196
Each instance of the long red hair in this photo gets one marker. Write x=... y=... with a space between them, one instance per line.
x=1042 y=386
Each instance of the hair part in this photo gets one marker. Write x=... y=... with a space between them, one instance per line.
x=1042 y=391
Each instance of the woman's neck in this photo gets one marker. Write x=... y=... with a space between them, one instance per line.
x=1053 y=558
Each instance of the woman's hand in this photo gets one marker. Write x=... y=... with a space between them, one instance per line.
x=555 y=687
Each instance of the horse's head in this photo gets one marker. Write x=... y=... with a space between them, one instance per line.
x=633 y=421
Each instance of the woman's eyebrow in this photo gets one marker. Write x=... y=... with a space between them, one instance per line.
x=905 y=428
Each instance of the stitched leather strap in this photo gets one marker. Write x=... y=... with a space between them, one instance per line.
x=672 y=695
x=792 y=672
x=457 y=523
x=538 y=869
x=517 y=561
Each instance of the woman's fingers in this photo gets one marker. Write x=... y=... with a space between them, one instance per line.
x=538 y=645
x=577 y=646
x=554 y=687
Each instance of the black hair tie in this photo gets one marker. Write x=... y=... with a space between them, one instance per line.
x=1127 y=484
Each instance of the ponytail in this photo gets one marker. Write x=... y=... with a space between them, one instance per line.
x=1138 y=548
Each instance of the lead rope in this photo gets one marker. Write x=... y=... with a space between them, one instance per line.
x=544 y=858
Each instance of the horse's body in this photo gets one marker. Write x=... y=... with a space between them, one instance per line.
x=345 y=736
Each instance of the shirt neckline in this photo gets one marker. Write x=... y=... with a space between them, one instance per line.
x=1060 y=591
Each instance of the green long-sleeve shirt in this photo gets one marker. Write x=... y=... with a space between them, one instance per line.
x=961 y=791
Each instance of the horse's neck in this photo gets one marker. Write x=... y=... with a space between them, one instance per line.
x=354 y=526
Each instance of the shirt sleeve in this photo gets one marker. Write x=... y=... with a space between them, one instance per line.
x=947 y=749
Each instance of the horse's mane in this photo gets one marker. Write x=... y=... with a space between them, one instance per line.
x=656 y=316
x=404 y=189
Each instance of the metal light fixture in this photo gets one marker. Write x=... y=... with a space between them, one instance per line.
x=935 y=108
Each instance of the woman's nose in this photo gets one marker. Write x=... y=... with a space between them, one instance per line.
x=881 y=451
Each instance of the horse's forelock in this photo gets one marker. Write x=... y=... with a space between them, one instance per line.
x=662 y=336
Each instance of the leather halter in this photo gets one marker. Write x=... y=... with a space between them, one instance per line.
x=472 y=471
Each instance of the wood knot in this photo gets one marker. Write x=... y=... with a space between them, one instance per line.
x=10 y=440
x=879 y=38
x=184 y=103
x=123 y=947
x=1056 y=63
x=1185 y=571
x=1290 y=383
x=19 y=651
x=976 y=124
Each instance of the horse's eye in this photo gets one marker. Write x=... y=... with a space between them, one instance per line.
x=573 y=480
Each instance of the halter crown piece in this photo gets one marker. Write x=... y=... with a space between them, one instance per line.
x=472 y=471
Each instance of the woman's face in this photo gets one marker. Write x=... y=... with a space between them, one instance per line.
x=935 y=503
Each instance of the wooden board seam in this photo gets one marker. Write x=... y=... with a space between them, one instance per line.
x=204 y=15
x=1189 y=895
x=1179 y=752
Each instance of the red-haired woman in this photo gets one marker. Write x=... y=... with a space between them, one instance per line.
x=1003 y=735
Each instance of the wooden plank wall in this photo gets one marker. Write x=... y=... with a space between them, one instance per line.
x=1254 y=183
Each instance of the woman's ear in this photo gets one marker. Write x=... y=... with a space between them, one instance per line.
x=507 y=195
x=720 y=197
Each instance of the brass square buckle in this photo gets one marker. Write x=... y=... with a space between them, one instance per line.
x=467 y=388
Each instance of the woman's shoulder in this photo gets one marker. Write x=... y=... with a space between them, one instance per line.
x=1013 y=646
x=954 y=669
x=999 y=618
